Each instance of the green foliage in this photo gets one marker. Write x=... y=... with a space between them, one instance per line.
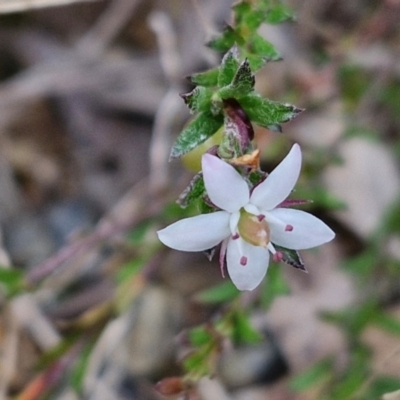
x=353 y=320
x=130 y=269
x=193 y=192
x=387 y=323
x=291 y=257
x=221 y=293
x=12 y=281
x=273 y=286
x=77 y=374
x=228 y=68
x=207 y=78
x=248 y=18
x=390 y=97
x=246 y=52
x=241 y=84
x=199 y=99
x=265 y=112
x=242 y=330
x=380 y=386
x=198 y=131
x=318 y=373
x=353 y=83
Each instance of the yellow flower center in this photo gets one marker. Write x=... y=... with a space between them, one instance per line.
x=254 y=229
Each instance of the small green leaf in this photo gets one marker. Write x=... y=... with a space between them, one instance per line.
x=129 y=269
x=291 y=257
x=207 y=78
x=256 y=62
x=383 y=385
x=80 y=367
x=199 y=336
x=266 y=112
x=255 y=177
x=12 y=280
x=222 y=293
x=10 y=277
x=199 y=99
x=279 y=13
x=226 y=40
x=243 y=331
x=193 y=192
x=261 y=47
x=248 y=17
x=242 y=83
x=387 y=323
x=195 y=133
x=322 y=371
x=229 y=66
x=274 y=285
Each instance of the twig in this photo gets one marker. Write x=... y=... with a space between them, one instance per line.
x=7 y=6
x=107 y=27
x=208 y=27
x=169 y=106
x=8 y=352
x=29 y=316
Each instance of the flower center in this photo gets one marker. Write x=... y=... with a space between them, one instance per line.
x=254 y=229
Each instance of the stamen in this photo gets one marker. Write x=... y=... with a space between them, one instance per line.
x=260 y=217
x=235 y=236
x=222 y=257
x=288 y=228
x=243 y=260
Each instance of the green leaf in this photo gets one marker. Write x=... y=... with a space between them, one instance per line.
x=242 y=83
x=265 y=112
x=199 y=99
x=195 y=133
x=274 y=285
x=261 y=47
x=199 y=336
x=256 y=62
x=353 y=319
x=381 y=386
x=222 y=293
x=80 y=367
x=193 y=192
x=280 y=13
x=129 y=269
x=207 y=78
x=291 y=257
x=255 y=177
x=322 y=371
x=12 y=280
x=387 y=323
x=226 y=40
x=248 y=17
x=10 y=277
x=229 y=66
x=243 y=331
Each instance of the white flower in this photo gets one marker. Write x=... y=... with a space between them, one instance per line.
x=248 y=224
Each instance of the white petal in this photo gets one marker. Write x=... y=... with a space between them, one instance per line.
x=197 y=233
x=279 y=183
x=308 y=231
x=249 y=276
x=225 y=186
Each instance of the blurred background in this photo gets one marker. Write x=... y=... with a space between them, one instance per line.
x=92 y=306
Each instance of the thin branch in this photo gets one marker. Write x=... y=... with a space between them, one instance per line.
x=170 y=105
x=107 y=27
x=11 y=6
